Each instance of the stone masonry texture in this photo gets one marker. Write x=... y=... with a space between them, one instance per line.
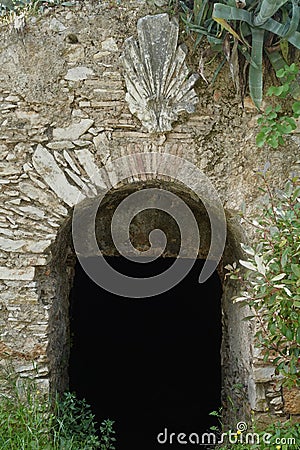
x=63 y=116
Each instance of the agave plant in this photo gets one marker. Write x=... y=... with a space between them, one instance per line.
x=254 y=28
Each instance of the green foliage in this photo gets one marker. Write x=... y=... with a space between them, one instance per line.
x=29 y=422
x=271 y=282
x=107 y=432
x=279 y=436
x=246 y=31
x=9 y=9
x=75 y=427
x=24 y=419
x=170 y=7
x=283 y=433
x=274 y=124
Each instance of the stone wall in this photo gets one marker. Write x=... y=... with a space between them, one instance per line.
x=63 y=114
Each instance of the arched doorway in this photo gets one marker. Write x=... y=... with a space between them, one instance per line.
x=235 y=346
x=153 y=365
x=160 y=356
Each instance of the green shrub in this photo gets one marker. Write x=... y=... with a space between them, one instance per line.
x=74 y=426
x=274 y=123
x=107 y=432
x=271 y=282
x=29 y=422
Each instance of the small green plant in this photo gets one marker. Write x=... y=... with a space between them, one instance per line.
x=19 y=5
x=274 y=123
x=107 y=435
x=74 y=425
x=248 y=436
x=25 y=416
x=15 y=12
x=277 y=436
x=271 y=282
x=285 y=436
x=171 y=7
x=29 y=421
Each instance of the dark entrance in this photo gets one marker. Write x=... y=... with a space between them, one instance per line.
x=152 y=365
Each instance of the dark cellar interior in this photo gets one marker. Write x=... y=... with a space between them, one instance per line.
x=153 y=364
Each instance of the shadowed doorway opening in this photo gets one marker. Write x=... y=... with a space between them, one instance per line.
x=152 y=365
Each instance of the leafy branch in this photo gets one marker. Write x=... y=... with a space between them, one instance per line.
x=274 y=124
x=271 y=281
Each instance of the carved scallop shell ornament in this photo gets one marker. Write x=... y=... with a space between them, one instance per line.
x=158 y=84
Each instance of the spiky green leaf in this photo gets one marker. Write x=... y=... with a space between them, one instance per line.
x=256 y=73
x=267 y=9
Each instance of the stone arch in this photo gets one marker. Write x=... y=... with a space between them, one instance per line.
x=54 y=280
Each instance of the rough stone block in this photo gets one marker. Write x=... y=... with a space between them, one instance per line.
x=47 y=167
x=78 y=73
x=263 y=374
x=17 y=274
x=110 y=45
x=73 y=131
x=257 y=396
